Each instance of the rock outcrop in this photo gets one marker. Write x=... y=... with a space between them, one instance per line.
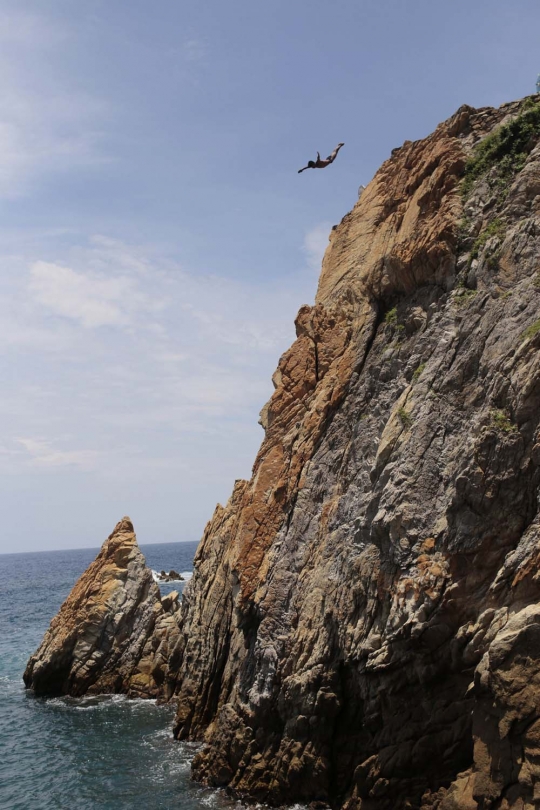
x=362 y=622
x=171 y=576
x=113 y=632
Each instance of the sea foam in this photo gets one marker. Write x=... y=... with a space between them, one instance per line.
x=186 y=575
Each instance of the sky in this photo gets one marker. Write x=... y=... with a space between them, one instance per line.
x=156 y=240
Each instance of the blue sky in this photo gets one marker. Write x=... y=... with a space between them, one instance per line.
x=156 y=240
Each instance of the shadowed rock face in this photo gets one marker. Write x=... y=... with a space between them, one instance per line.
x=112 y=633
x=363 y=623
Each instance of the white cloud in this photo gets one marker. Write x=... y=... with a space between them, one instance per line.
x=92 y=300
x=119 y=363
x=43 y=455
x=126 y=337
x=315 y=244
x=21 y=332
x=106 y=254
x=131 y=381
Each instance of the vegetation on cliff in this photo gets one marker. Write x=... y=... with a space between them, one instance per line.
x=505 y=149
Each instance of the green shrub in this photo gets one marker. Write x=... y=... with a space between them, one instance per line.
x=405 y=416
x=492 y=261
x=501 y=420
x=494 y=228
x=536 y=281
x=418 y=372
x=531 y=330
x=507 y=148
x=463 y=296
x=463 y=231
x=391 y=316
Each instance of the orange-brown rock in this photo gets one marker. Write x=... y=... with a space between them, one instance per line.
x=113 y=632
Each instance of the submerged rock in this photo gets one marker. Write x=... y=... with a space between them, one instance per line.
x=171 y=576
x=113 y=632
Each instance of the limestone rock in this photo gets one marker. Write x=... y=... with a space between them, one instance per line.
x=113 y=632
x=362 y=626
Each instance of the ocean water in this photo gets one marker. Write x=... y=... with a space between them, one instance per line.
x=65 y=754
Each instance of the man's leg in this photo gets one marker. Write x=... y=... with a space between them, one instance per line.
x=333 y=156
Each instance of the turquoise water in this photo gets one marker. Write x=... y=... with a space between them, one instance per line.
x=64 y=754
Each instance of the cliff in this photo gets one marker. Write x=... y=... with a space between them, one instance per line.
x=361 y=627
x=362 y=622
x=113 y=632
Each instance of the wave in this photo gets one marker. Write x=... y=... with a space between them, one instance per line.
x=186 y=575
x=98 y=702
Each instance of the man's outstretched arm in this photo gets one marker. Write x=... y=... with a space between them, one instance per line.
x=312 y=164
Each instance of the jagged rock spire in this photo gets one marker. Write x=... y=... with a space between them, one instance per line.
x=109 y=635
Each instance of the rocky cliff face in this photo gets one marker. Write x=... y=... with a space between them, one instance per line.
x=362 y=624
x=113 y=632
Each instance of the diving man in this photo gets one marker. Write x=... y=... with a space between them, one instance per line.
x=322 y=164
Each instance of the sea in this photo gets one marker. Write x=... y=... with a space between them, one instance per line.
x=107 y=752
